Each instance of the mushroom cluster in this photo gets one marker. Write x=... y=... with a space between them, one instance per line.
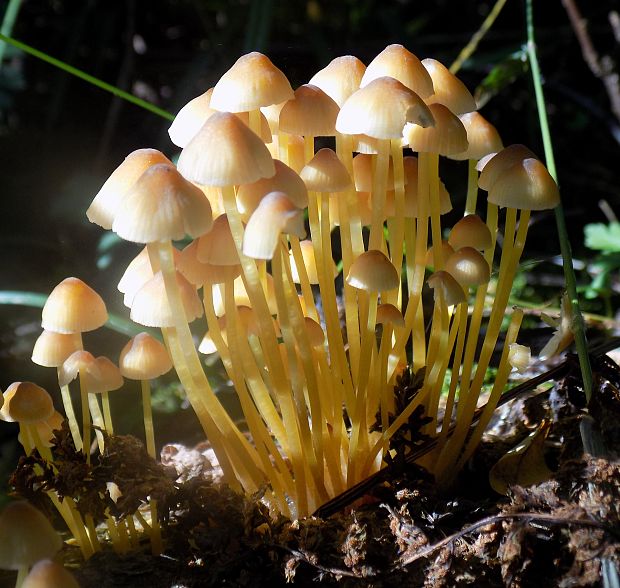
x=313 y=354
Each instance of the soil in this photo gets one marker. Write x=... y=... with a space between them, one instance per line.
x=563 y=531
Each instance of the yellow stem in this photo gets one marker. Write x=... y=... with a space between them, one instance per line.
x=149 y=432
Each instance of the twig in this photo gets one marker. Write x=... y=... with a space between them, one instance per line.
x=306 y=559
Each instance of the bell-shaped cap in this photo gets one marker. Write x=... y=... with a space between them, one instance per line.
x=284 y=180
x=309 y=259
x=26 y=536
x=49 y=574
x=218 y=246
x=310 y=113
x=316 y=335
x=73 y=307
x=199 y=273
x=46 y=429
x=79 y=362
x=388 y=314
x=150 y=305
x=519 y=357
x=470 y=231
x=105 y=204
x=275 y=214
x=397 y=62
x=482 y=137
x=340 y=78
x=162 y=205
x=144 y=358
x=242 y=297
x=26 y=402
x=373 y=271
x=51 y=349
x=446 y=137
x=381 y=110
x=468 y=266
x=446 y=251
x=363 y=174
x=449 y=90
x=253 y=81
x=325 y=173
x=451 y=290
x=497 y=164
x=225 y=152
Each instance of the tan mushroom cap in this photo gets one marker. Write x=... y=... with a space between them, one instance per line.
x=49 y=574
x=51 y=349
x=449 y=90
x=162 y=205
x=316 y=335
x=340 y=78
x=381 y=109
x=446 y=137
x=46 y=429
x=218 y=246
x=150 y=306
x=105 y=204
x=482 y=137
x=111 y=377
x=310 y=113
x=81 y=363
x=275 y=214
x=144 y=358
x=284 y=180
x=452 y=291
x=26 y=402
x=495 y=165
x=73 y=307
x=389 y=314
x=397 y=62
x=470 y=231
x=253 y=81
x=325 y=173
x=373 y=271
x=225 y=152
x=446 y=251
x=525 y=185
x=468 y=266
x=26 y=536
x=199 y=273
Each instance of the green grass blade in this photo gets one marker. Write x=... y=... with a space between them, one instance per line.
x=8 y=22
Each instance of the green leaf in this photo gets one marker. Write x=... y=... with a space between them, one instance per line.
x=503 y=74
x=603 y=237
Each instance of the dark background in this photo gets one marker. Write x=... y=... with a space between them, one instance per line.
x=61 y=137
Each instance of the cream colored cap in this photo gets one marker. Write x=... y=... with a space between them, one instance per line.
x=373 y=271
x=218 y=246
x=26 y=402
x=51 y=349
x=449 y=90
x=325 y=173
x=482 y=137
x=340 y=78
x=310 y=113
x=49 y=574
x=199 y=273
x=446 y=137
x=144 y=358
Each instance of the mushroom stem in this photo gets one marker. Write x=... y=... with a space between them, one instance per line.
x=71 y=418
x=396 y=226
x=379 y=188
x=149 y=432
x=107 y=412
x=97 y=418
x=472 y=187
x=85 y=418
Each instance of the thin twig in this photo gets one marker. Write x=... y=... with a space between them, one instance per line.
x=300 y=555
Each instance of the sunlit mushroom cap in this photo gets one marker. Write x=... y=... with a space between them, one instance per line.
x=105 y=204
x=144 y=358
x=468 y=266
x=272 y=115
x=470 y=231
x=310 y=113
x=225 y=152
x=73 y=307
x=150 y=305
x=253 y=81
x=362 y=210
x=325 y=173
x=482 y=137
x=81 y=363
x=340 y=78
x=519 y=357
x=373 y=271
x=449 y=90
x=26 y=402
x=309 y=259
x=275 y=214
x=111 y=377
x=296 y=152
x=284 y=180
x=242 y=297
x=495 y=166
x=446 y=137
x=51 y=349
x=199 y=273
x=362 y=172
x=451 y=290
x=26 y=536
x=162 y=205
x=218 y=246
x=525 y=185
x=46 y=428
x=381 y=110
x=397 y=62
x=49 y=574
x=389 y=314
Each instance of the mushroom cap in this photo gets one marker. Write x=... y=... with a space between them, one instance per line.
x=225 y=152
x=284 y=180
x=449 y=90
x=199 y=273
x=111 y=377
x=162 y=205
x=49 y=574
x=26 y=402
x=308 y=255
x=468 y=266
x=73 y=307
x=381 y=109
x=253 y=81
x=525 y=185
x=495 y=165
x=80 y=362
x=373 y=271
x=242 y=297
x=316 y=335
x=482 y=137
x=446 y=137
x=519 y=357
x=275 y=214
x=446 y=251
x=340 y=78
x=26 y=536
x=397 y=62
x=51 y=349
x=362 y=172
x=296 y=152
x=389 y=314
x=144 y=358
x=46 y=429
x=452 y=291
x=218 y=246
x=470 y=231
x=103 y=208
x=325 y=173
x=310 y=113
